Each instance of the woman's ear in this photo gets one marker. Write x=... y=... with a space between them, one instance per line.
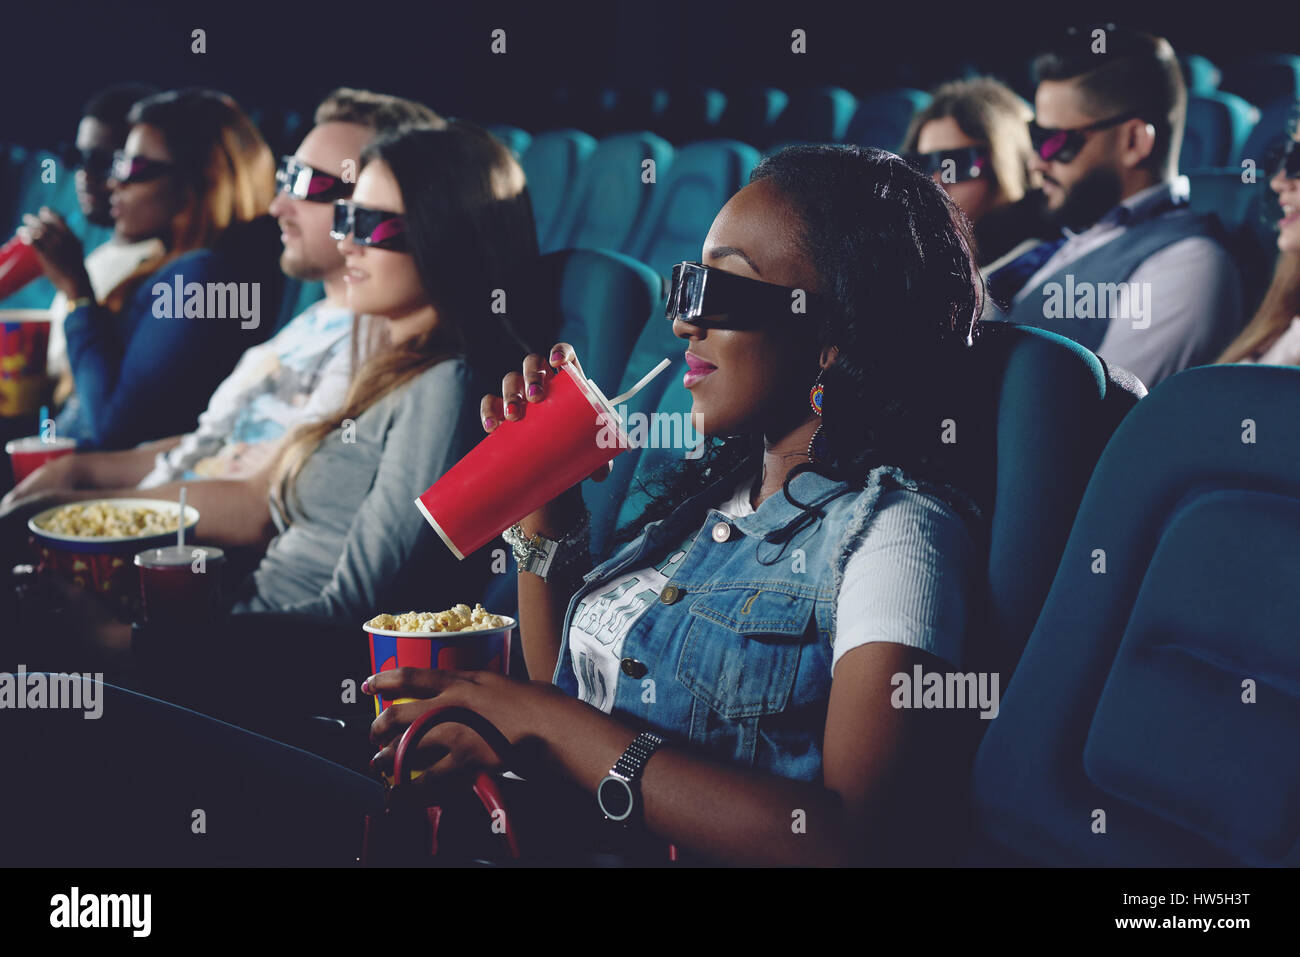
x=829 y=355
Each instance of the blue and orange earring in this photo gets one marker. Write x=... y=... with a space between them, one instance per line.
x=817 y=445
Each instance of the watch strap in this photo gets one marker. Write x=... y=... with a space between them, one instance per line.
x=632 y=762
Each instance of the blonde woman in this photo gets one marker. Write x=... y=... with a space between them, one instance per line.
x=196 y=175
x=973 y=139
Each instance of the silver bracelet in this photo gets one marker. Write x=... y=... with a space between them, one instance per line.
x=544 y=557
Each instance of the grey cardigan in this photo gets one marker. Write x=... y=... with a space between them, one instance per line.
x=355 y=544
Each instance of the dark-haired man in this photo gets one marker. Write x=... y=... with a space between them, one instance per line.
x=101 y=131
x=1136 y=277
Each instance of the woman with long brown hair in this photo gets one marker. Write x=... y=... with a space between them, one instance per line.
x=195 y=174
x=439 y=224
x=1273 y=336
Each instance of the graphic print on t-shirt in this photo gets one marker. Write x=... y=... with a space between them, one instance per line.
x=603 y=619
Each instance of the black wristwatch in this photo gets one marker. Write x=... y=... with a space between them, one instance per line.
x=616 y=794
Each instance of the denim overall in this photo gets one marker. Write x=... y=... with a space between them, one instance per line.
x=735 y=657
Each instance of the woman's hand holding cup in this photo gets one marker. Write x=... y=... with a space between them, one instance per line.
x=518 y=391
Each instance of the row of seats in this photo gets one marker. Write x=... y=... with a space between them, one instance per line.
x=764 y=115
x=1140 y=559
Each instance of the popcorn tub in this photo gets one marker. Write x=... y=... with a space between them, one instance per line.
x=486 y=649
x=103 y=564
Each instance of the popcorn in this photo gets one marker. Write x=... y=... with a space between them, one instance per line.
x=456 y=618
x=104 y=520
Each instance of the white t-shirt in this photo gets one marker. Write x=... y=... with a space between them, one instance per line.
x=1285 y=351
x=905 y=583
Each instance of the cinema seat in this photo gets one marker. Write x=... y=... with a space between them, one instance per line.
x=703 y=177
x=1218 y=125
x=751 y=114
x=1247 y=212
x=1200 y=75
x=1276 y=119
x=882 y=118
x=693 y=113
x=552 y=164
x=1132 y=697
x=153 y=766
x=610 y=198
x=515 y=139
x=1263 y=78
x=819 y=115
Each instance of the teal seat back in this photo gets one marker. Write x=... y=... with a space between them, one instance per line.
x=818 y=115
x=552 y=164
x=882 y=119
x=1161 y=684
x=611 y=198
x=703 y=177
x=1218 y=126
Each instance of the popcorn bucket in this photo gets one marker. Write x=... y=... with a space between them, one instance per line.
x=482 y=650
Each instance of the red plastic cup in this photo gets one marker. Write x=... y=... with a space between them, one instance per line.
x=180 y=582
x=28 y=454
x=19 y=265
x=520 y=466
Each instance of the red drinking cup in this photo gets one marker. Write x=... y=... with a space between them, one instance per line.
x=520 y=466
x=180 y=583
x=19 y=265
x=28 y=454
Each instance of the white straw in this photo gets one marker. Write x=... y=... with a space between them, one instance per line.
x=180 y=527
x=619 y=400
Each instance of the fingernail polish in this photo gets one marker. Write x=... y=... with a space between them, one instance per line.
x=512 y=408
x=489 y=423
x=557 y=356
x=533 y=389
x=365 y=686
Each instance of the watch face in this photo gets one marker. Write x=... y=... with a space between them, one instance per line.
x=614 y=796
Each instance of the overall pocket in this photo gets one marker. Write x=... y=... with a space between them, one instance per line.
x=741 y=653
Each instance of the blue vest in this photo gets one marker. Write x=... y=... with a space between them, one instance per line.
x=1104 y=267
x=735 y=657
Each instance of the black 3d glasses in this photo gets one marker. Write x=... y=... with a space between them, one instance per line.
x=704 y=296
x=301 y=181
x=953 y=166
x=1062 y=146
x=380 y=228
x=138 y=169
x=1283 y=158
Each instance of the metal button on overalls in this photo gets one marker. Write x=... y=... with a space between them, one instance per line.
x=633 y=668
x=721 y=532
x=670 y=594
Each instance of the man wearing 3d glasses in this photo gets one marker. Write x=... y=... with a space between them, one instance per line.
x=1135 y=277
x=304 y=369
x=101 y=132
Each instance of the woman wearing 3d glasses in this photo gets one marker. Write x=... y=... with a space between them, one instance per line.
x=728 y=678
x=1273 y=336
x=196 y=175
x=973 y=138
